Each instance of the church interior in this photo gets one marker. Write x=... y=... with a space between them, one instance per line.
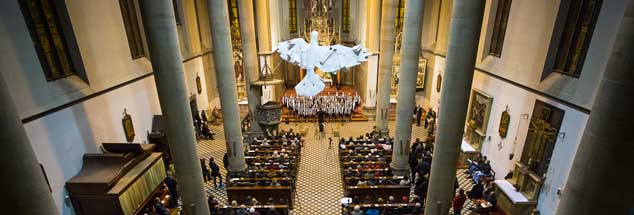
x=311 y=107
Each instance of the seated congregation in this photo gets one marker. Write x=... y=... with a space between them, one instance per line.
x=268 y=184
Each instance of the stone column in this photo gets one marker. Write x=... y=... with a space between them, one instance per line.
x=226 y=81
x=373 y=30
x=262 y=25
x=250 y=60
x=167 y=63
x=385 y=65
x=23 y=178
x=466 y=22
x=374 y=25
x=412 y=29
x=596 y=184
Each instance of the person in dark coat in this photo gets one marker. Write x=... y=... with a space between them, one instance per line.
x=423 y=167
x=207 y=133
x=159 y=208
x=421 y=188
x=213 y=205
x=173 y=188
x=413 y=163
x=225 y=160
x=215 y=171
x=415 y=145
x=203 y=117
x=476 y=192
x=203 y=166
x=419 y=114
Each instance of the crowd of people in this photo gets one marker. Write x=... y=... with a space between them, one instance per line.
x=365 y=164
x=201 y=126
x=334 y=106
x=420 y=159
x=272 y=162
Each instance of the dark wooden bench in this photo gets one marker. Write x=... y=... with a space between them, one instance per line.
x=393 y=208
x=280 y=194
x=262 y=209
x=376 y=191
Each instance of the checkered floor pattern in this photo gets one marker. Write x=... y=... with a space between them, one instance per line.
x=319 y=185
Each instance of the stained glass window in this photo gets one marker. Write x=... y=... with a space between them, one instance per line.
x=499 y=27
x=129 y=10
x=292 y=16
x=345 y=16
x=400 y=15
x=53 y=39
x=579 y=24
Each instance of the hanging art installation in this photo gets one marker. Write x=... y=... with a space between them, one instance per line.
x=329 y=59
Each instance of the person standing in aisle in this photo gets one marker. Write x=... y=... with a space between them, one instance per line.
x=215 y=171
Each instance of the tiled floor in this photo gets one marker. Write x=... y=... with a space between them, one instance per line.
x=319 y=185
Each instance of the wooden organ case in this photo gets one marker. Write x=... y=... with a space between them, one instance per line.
x=120 y=181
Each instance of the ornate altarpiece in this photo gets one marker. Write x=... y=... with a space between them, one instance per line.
x=543 y=130
x=477 y=118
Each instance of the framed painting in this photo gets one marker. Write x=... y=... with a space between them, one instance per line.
x=438 y=83
x=420 y=77
x=477 y=118
x=128 y=127
x=505 y=120
x=479 y=111
x=199 y=87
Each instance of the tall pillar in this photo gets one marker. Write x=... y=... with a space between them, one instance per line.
x=250 y=60
x=466 y=22
x=263 y=26
x=226 y=81
x=385 y=65
x=407 y=85
x=373 y=30
x=167 y=63
x=595 y=185
x=263 y=29
x=374 y=24
x=29 y=193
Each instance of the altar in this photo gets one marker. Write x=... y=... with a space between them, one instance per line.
x=512 y=201
x=467 y=152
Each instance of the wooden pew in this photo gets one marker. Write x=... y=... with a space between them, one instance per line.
x=261 y=193
x=262 y=209
x=376 y=191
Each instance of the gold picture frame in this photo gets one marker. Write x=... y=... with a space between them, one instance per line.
x=422 y=70
x=128 y=126
x=505 y=120
x=438 y=83
x=198 y=85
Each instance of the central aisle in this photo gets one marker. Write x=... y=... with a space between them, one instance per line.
x=318 y=186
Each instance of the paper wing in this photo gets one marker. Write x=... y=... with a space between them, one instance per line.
x=311 y=85
x=342 y=57
x=292 y=50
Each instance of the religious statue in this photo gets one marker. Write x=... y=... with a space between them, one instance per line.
x=326 y=58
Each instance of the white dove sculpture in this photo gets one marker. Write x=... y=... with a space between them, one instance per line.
x=327 y=58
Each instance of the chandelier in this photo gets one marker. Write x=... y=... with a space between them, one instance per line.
x=320 y=17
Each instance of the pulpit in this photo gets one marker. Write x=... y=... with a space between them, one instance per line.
x=269 y=115
x=121 y=181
